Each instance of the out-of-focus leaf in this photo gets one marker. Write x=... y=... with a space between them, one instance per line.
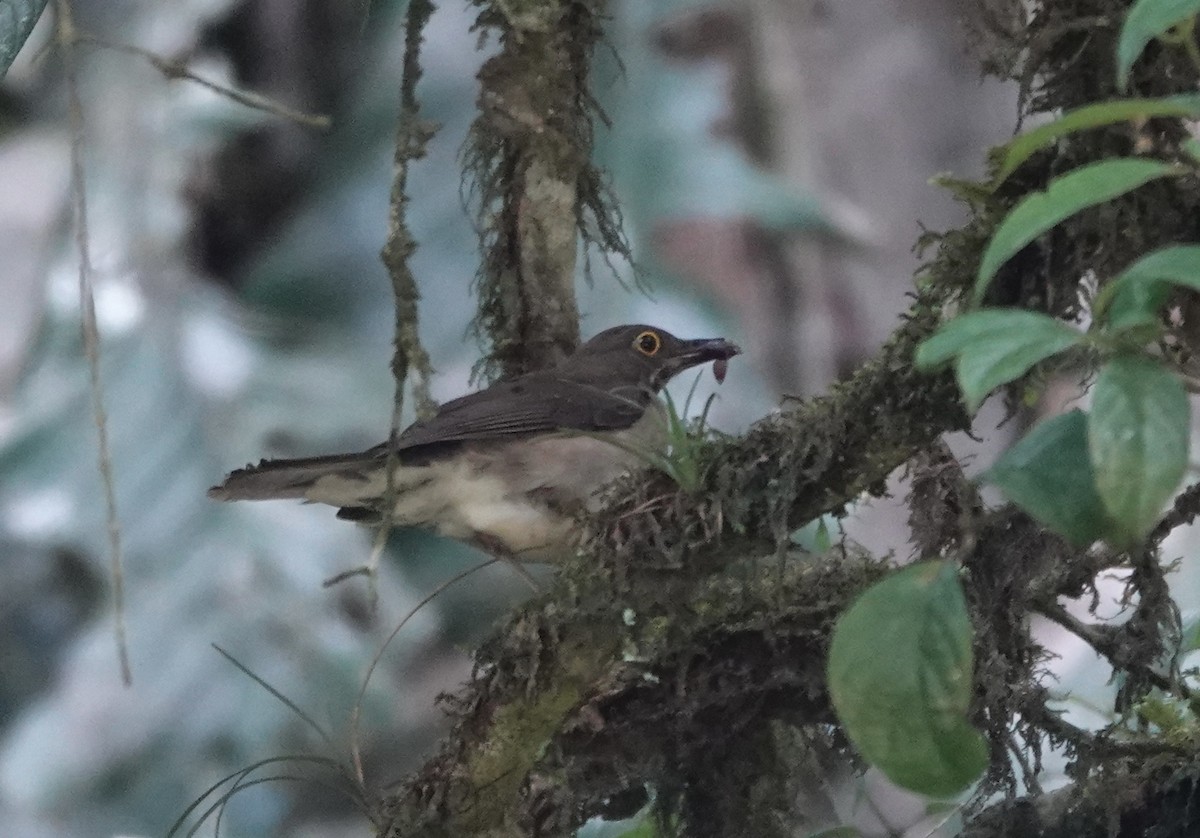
x=900 y=669
x=1049 y=475
x=1085 y=187
x=189 y=563
x=17 y=19
x=1092 y=116
x=1138 y=435
x=667 y=163
x=646 y=829
x=994 y=347
x=1189 y=632
x=643 y=824
x=1135 y=297
x=1147 y=20
x=247 y=576
x=815 y=536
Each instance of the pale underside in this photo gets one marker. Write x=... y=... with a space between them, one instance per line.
x=522 y=496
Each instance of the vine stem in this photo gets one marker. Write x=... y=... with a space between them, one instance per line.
x=66 y=37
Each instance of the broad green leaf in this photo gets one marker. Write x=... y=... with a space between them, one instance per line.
x=995 y=346
x=967 y=330
x=1092 y=116
x=900 y=668
x=1135 y=297
x=1049 y=475
x=1085 y=187
x=1138 y=441
x=1147 y=20
x=17 y=19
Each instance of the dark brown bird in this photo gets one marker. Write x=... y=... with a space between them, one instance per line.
x=510 y=467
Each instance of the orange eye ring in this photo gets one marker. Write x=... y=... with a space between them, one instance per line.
x=648 y=343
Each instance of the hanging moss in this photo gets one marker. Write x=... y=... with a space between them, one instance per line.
x=412 y=135
x=528 y=161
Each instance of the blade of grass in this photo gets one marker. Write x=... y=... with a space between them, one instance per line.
x=287 y=702
x=356 y=713
x=195 y=804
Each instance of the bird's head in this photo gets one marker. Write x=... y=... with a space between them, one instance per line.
x=641 y=356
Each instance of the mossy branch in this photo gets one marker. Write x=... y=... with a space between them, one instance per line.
x=529 y=159
x=643 y=661
x=621 y=674
x=641 y=600
x=412 y=135
x=574 y=707
x=1144 y=794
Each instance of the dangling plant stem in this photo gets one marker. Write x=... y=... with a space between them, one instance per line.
x=67 y=38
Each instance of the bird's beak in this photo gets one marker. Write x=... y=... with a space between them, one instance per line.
x=701 y=351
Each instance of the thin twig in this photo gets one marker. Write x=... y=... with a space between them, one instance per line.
x=65 y=34
x=1101 y=640
x=1054 y=724
x=173 y=69
x=1022 y=759
x=356 y=713
x=1183 y=512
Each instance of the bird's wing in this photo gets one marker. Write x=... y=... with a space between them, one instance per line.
x=532 y=404
x=272 y=479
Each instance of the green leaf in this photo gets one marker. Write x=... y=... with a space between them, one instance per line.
x=816 y=535
x=1147 y=20
x=1135 y=297
x=1085 y=187
x=900 y=668
x=995 y=346
x=822 y=541
x=1189 y=633
x=17 y=19
x=1049 y=475
x=1138 y=440
x=1092 y=116
x=647 y=828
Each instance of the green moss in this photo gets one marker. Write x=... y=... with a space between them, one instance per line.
x=685 y=607
x=527 y=159
x=519 y=734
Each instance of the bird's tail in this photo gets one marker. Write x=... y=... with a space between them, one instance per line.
x=275 y=479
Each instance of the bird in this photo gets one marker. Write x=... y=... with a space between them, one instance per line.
x=510 y=468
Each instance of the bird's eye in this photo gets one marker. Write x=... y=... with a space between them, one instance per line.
x=648 y=343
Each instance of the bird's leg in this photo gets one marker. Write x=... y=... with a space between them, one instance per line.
x=494 y=547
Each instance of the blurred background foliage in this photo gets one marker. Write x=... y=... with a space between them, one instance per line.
x=771 y=159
